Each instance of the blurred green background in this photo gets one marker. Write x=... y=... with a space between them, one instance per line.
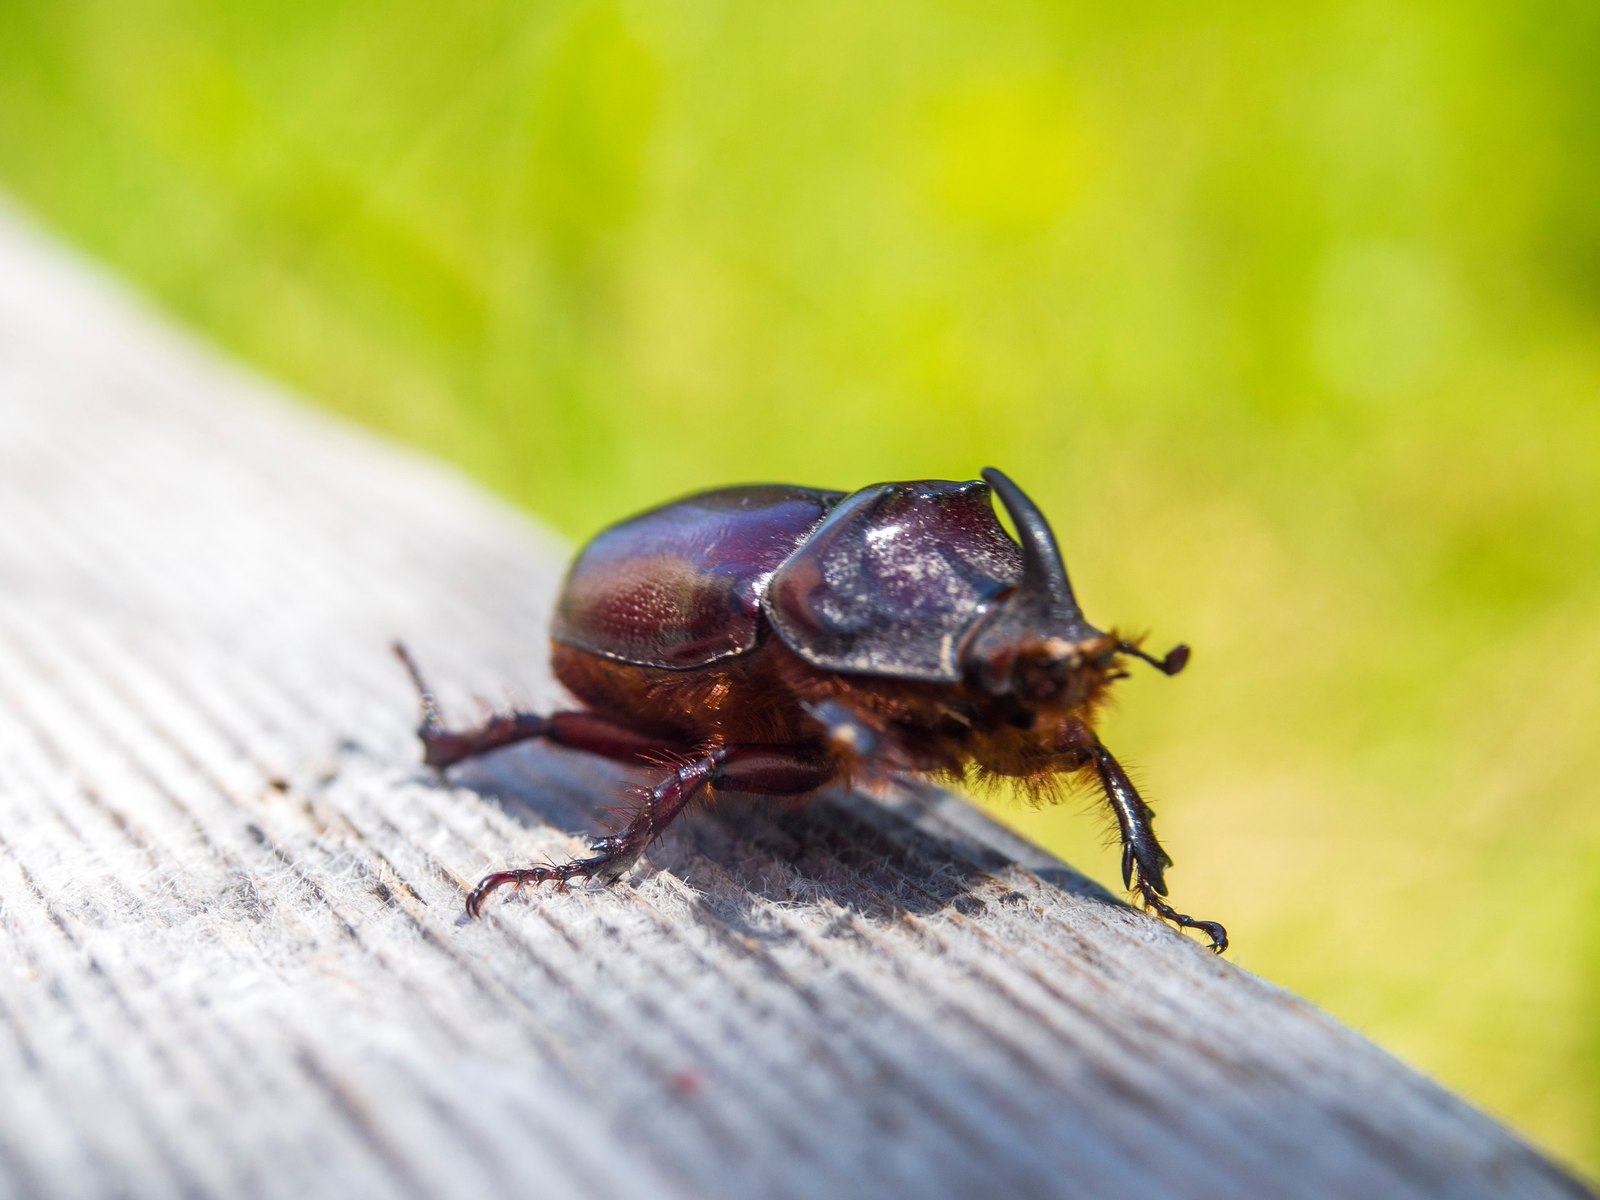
x=1289 y=315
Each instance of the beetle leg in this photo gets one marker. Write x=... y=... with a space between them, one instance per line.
x=852 y=738
x=616 y=853
x=771 y=770
x=1144 y=862
x=443 y=747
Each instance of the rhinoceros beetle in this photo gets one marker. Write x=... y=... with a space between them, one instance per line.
x=773 y=639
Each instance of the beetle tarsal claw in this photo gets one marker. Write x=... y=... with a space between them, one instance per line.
x=1217 y=934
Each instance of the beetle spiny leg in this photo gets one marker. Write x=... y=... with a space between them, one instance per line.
x=442 y=747
x=610 y=818
x=754 y=768
x=614 y=854
x=631 y=801
x=549 y=871
x=1143 y=859
x=667 y=758
x=1212 y=929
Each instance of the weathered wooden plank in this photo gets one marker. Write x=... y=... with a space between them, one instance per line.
x=229 y=901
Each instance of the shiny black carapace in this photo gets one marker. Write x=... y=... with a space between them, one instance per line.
x=773 y=639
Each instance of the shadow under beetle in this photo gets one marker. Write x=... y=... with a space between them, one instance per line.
x=773 y=639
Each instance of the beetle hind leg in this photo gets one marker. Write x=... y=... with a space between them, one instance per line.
x=443 y=747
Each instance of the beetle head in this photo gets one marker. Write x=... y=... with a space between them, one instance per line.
x=1035 y=644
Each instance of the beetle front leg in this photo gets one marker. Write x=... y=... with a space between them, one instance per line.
x=769 y=770
x=1144 y=862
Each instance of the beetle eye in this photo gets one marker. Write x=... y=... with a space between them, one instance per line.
x=1042 y=668
x=1057 y=654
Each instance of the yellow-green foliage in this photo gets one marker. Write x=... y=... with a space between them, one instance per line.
x=1286 y=313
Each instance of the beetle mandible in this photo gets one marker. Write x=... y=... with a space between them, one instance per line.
x=772 y=639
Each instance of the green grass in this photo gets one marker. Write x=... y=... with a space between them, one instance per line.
x=1288 y=314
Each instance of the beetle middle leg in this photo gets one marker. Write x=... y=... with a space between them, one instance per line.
x=769 y=770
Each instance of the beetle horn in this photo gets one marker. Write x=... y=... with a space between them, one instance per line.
x=1043 y=572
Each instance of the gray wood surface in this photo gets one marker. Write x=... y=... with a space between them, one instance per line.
x=232 y=956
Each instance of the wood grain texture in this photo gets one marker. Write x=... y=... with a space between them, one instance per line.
x=233 y=961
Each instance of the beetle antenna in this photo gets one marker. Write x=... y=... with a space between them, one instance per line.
x=1171 y=664
x=1043 y=571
